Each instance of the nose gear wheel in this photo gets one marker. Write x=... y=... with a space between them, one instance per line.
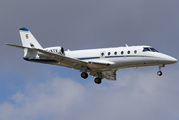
x=159 y=73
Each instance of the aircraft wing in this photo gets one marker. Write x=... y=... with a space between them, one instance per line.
x=75 y=63
x=93 y=66
x=70 y=62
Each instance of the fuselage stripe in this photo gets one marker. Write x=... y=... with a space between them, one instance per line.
x=51 y=60
x=115 y=57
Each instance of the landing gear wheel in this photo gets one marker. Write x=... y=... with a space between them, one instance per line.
x=97 y=80
x=159 y=73
x=84 y=75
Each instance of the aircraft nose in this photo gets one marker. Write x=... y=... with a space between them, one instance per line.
x=171 y=59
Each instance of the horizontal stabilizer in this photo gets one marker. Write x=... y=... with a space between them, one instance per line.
x=29 y=53
x=17 y=46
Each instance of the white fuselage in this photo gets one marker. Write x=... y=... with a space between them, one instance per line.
x=118 y=57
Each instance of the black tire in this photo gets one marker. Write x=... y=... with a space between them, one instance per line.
x=97 y=80
x=159 y=73
x=84 y=75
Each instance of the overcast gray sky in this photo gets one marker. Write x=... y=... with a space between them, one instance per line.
x=43 y=92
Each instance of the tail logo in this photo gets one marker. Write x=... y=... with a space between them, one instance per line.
x=27 y=36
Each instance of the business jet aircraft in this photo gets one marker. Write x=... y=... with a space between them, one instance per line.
x=101 y=63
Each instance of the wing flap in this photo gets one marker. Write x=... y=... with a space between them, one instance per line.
x=99 y=65
x=109 y=75
x=99 y=62
x=73 y=63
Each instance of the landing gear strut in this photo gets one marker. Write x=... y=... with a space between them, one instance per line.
x=159 y=73
x=84 y=75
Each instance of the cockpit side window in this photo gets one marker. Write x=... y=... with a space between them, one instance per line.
x=146 y=49
x=153 y=49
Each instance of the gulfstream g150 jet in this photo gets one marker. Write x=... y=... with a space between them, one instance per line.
x=101 y=63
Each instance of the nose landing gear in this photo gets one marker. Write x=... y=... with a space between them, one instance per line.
x=159 y=73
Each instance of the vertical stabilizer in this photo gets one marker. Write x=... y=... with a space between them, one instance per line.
x=28 y=40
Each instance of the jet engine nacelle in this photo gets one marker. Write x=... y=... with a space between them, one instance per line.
x=57 y=50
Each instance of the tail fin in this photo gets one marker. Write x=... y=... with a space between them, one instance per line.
x=29 y=41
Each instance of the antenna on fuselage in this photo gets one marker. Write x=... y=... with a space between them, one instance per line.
x=126 y=45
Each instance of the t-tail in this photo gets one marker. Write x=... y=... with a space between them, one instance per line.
x=28 y=43
x=28 y=40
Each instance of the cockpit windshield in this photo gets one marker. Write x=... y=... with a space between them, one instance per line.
x=146 y=49
x=153 y=49
x=149 y=49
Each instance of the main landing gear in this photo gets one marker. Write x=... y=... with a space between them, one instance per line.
x=84 y=75
x=97 y=80
x=159 y=73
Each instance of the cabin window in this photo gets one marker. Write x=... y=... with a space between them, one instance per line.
x=128 y=52
x=102 y=54
x=109 y=53
x=122 y=52
x=135 y=51
x=146 y=49
x=115 y=53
